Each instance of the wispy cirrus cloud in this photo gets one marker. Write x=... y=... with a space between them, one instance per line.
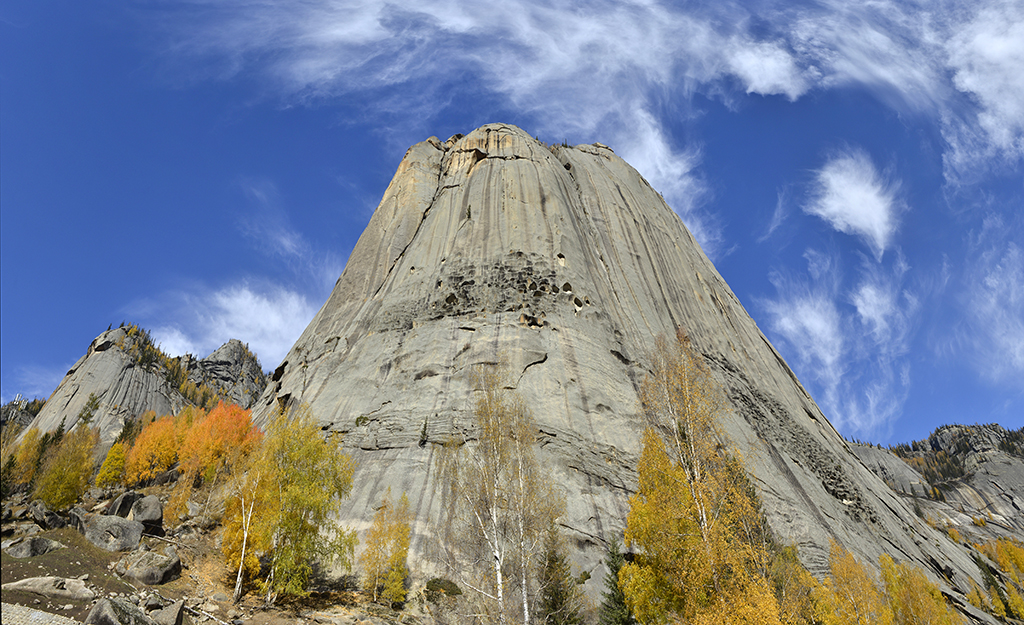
x=600 y=70
x=266 y=224
x=270 y=316
x=850 y=343
x=993 y=303
x=985 y=55
x=853 y=198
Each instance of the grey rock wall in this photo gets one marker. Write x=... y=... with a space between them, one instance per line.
x=566 y=262
x=126 y=389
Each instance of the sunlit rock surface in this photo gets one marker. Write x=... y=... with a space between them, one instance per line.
x=567 y=264
x=126 y=389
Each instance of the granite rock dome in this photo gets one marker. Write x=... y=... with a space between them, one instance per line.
x=566 y=263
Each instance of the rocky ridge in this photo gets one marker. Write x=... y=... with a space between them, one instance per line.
x=128 y=385
x=565 y=263
x=975 y=482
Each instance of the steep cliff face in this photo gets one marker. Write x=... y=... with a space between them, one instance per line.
x=128 y=377
x=567 y=264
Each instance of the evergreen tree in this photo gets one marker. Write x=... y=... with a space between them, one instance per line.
x=613 y=610
x=559 y=598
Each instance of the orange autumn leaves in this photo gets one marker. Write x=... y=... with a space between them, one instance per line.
x=203 y=444
x=200 y=442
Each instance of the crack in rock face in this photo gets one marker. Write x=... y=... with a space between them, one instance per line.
x=565 y=264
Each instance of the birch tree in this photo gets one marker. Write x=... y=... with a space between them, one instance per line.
x=285 y=512
x=702 y=547
x=496 y=505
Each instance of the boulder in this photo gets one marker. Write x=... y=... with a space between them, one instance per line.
x=122 y=506
x=116 y=612
x=152 y=568
x=112 y=532
x=150 y=512
x=54 y=588
x=33 y=546
x=170 y=615
x=77 y=517
x=44 y=517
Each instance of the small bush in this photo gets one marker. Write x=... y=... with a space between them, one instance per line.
x=439 y=587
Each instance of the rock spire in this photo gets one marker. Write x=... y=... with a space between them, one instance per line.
x=566 y=263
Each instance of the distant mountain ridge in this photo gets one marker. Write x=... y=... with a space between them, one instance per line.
x=129 y=376
x=970 y=477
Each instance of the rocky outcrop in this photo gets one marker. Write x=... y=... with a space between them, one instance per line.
x=151 y=568
x=112 y=533
x=124 y=387
x=54 y=588
x=44 y=517
x=122 y=506
x=566 y=263
x=33 y=546
x=112 y=611
x=150 y=512
x=129 y=377
x=978 y=477
x=233 y=371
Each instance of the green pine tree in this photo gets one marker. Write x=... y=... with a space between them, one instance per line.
x=613 y=610
x=559 y=598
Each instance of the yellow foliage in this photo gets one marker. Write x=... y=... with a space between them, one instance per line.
x=26 y=457
x=850 y=596
x=794 y=588
x=66 y=472
x=298 y=478
x=695 y=522
x=154 y=451
x=997 y=604
x=209 y=444
x=978 y=599
x=387 y=547
x=112 y=471
x=1014 y=599
x=912 y=598
x=954 y=535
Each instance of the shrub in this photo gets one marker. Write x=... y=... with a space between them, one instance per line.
x=112 y=470
x=439 y=587
x=65 y=475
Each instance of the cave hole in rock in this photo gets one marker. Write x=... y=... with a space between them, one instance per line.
x=561 y=259
x=577 y=303
x=451 y=299
x=567 y=287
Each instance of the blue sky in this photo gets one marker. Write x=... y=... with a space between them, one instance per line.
x=854 y=170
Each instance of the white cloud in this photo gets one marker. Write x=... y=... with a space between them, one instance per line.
x=584 y=69
x=269 y=319
x=33 y=381
x=767 y=69
x=849 y=346
x=269 y=227
x=853 y=198
x=986 y=56
x=995 y=307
